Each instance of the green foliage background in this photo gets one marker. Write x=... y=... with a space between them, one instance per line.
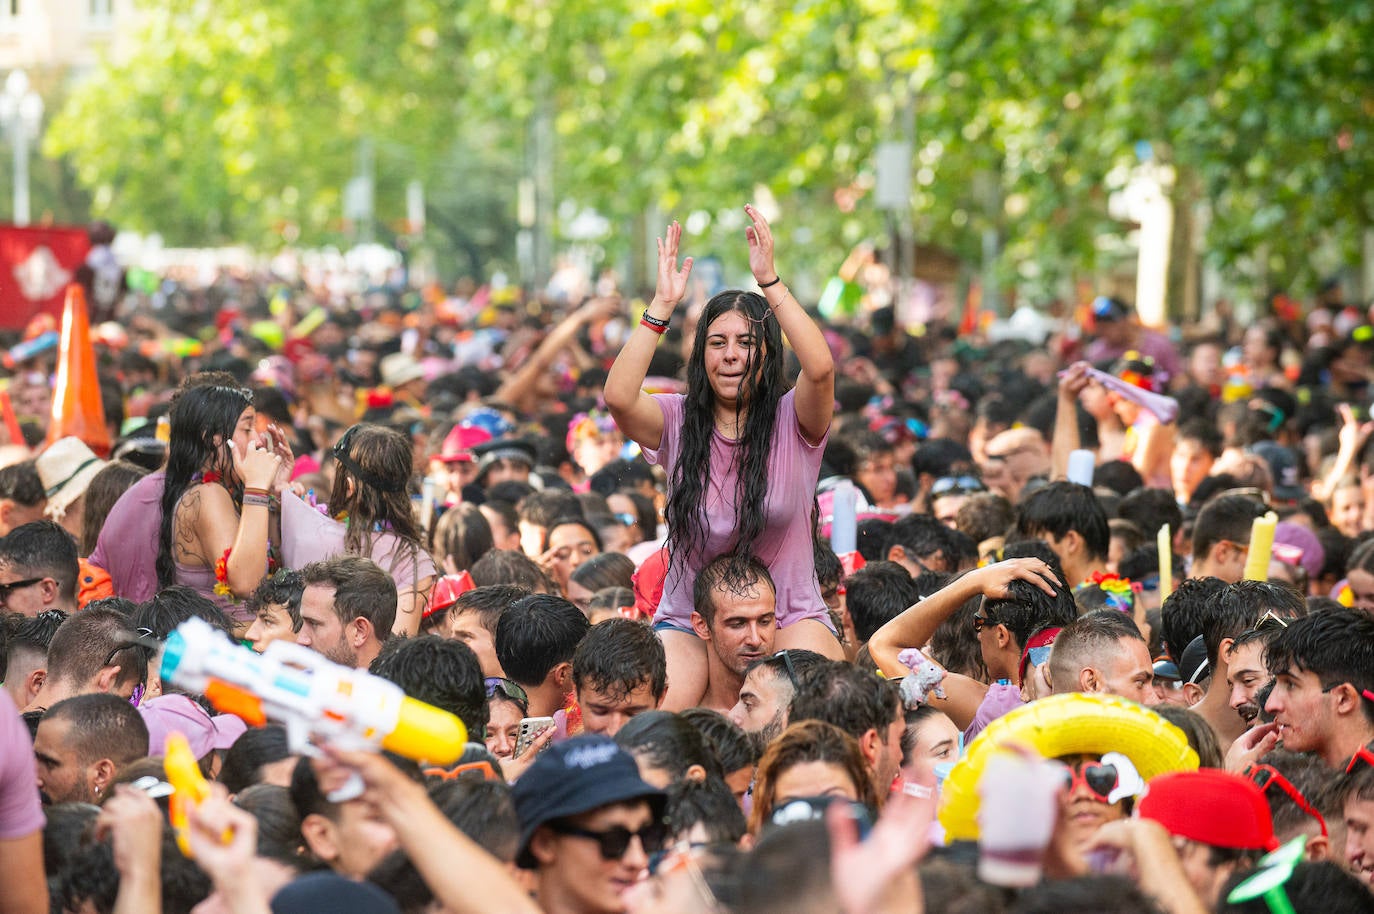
x=236 y=118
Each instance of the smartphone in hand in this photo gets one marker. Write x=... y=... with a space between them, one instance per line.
x=530 y=727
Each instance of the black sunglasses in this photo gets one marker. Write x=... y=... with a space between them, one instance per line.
x=511 y=690
x=345 y=442
x=7 y=589
x=956 y=485
x=614 y=842
x=145 y=640
x=980 y=621
x=109 y=658
x=787 y=663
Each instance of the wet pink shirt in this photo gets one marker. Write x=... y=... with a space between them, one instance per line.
x=20 y=811
x=786 y=544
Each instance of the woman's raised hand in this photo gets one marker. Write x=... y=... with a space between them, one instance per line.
x=1353 y=433
x=760 y=247
x=1074 y=380
x=672 y=282
x=276 y=441
x=257 y=468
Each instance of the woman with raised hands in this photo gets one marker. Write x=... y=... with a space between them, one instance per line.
x=219 y=519
x=742 y=450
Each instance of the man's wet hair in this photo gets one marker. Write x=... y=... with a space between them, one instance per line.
x=1225 y=518
x=442 y=672
x=618 y=656
x=43 y=549
x=1337 y=646
x=1241 y=606
x=841 y=694
x=489 y=602
x=1082 y=642
x=20 y=483
x=726 y=739
x=1063 y=507
x=1028 y=608
x=708 y=803
x=89 y=640
x=729 y=573
x=102 y=726
x=171 y=606
x=876 y=594
x=537 y=633
x=1185 y=612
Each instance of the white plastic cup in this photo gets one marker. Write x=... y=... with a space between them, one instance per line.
x=844 y=520
x=1082 y=464
x=1016 y=817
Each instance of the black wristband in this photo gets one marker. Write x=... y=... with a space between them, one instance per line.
x=648 y=318
x=776 y=280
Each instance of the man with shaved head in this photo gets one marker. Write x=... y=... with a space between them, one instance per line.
x=82 y=744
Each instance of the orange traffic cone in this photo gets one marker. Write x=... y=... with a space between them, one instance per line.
x=14 y=433
x=76 y=407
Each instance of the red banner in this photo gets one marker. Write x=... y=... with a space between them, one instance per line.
x=36 y=264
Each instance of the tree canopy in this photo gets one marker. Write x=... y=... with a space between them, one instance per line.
x=241 y=120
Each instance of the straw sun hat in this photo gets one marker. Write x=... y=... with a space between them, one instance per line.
x=66 y=469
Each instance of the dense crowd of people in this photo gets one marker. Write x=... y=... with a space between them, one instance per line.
x=740 y=609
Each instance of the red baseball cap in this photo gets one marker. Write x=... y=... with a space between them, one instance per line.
x=446 y=592
x=1212 y=807
x=459 y=442
x=1037 y=649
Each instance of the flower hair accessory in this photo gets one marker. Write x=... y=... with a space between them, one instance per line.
x=1137 y=370
x=1114 y=583
x=222 y=576
x=221 y=588
x=1120 y=592
x=589 y=425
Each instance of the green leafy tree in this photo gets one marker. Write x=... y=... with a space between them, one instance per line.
x=233 y=120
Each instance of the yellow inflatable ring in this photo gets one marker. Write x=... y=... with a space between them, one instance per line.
x=1068 y=724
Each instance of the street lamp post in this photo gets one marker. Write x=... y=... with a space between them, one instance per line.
x=21 y=114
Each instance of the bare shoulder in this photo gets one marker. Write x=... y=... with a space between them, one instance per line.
x=206 y=513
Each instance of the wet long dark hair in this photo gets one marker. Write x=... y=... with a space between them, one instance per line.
x=764 y=385
x=207 y=407
x=379 y=462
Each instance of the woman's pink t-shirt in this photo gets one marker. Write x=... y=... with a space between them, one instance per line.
x=786 y=543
